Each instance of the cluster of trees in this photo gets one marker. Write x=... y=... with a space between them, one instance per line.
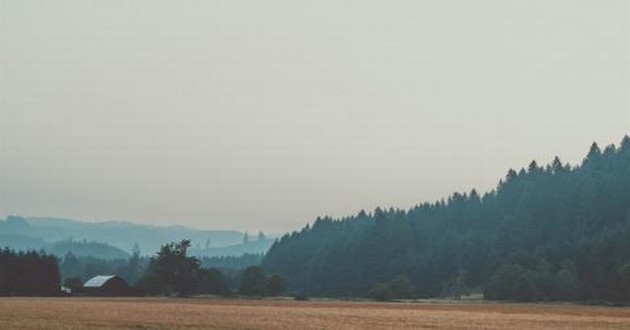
x=83 y=268
x=551 y=232
x=513 y=281
x=397 y=288
x=173 y=272
x=212 y=275
x=232 y=262
x=254 y=282
x=170 y=272
x=28 y=274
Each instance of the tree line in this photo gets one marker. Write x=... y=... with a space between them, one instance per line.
x=553 y=232
x=170 y=272
x=173 y=272
x=28 y=273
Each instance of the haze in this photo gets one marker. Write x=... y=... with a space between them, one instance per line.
x=266 y=114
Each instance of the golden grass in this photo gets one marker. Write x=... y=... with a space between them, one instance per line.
x=175 y=313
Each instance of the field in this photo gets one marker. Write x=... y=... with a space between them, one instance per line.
x=174 y=313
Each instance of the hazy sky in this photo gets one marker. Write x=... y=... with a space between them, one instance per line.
x=265 y=114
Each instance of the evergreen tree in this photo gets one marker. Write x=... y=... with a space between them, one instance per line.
x=28 y=274
x=253 y=282
x=245 y=238
x=551 y=232
x=275 y=285
x=173 y=269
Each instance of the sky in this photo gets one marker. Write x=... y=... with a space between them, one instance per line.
x=264 y=115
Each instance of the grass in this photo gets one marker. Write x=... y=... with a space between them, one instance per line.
x=190 y=313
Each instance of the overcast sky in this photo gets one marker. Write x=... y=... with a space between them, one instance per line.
x=265 y=114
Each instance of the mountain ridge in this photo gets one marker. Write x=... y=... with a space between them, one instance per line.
x=123 y=235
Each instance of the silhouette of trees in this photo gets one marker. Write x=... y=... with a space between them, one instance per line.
x=254 y=282
x=28 y=273
x=275 y=285
x=245 y=238
x=397 y=288
x=552 y=232
x=172 y=270
x=211 y=281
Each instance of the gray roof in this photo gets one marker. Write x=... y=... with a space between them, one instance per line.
x=98 y=281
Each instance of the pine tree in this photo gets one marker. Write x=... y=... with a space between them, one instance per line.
x=246 y=238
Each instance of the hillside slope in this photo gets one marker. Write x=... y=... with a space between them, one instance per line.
x=546 y=233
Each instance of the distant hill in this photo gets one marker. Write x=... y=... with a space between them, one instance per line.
x=22 y=243
x=255 y=247
x=61 y=248
x=35 y=233
x=86 y=249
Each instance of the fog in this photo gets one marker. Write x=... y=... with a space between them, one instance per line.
x=264 y=115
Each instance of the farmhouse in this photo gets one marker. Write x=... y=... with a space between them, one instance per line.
x=107 y=285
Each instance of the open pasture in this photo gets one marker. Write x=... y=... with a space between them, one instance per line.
x=190 y=313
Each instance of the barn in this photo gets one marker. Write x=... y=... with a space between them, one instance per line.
x=107 y=285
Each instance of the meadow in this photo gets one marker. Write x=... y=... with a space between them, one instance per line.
x=190 y=313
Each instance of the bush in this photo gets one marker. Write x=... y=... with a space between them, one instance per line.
x=253 y=282
x=300 y=297
x=397 y=288
x=275 y=285
x=517 y=283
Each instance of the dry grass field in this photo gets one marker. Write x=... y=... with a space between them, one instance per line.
x=174 y=313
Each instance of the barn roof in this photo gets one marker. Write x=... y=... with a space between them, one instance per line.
x=98 y=281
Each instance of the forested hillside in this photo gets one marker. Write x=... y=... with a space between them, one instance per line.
x=551 y=232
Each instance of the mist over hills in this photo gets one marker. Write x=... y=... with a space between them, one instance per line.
x=115 y=239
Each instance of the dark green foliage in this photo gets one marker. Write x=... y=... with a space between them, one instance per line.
x=253 y=282
x=211 y=281
x=133 y=270
x=275 y=285
x=398 y=288
x=28 y=273
x=455 y=287
x=172 y=270
x=71 y=266
x=624 y=274
x=380 y=292
x=511 y=282
x=551 y=232
x=517 y=283
x=84 y=268
x=230 y=262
